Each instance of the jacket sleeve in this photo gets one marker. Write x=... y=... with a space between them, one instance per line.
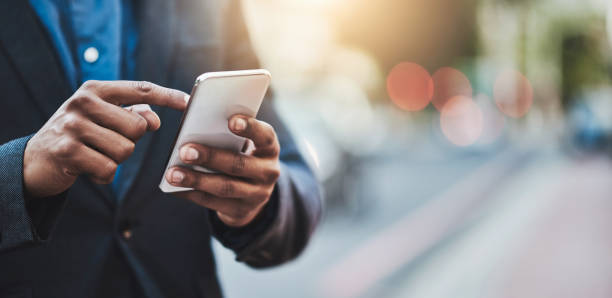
x=283 y=229
x=20 y=223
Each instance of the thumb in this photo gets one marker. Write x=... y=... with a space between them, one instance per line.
x=145 y=111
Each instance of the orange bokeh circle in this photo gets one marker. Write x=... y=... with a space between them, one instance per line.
x=410 y=86
x=449 y=82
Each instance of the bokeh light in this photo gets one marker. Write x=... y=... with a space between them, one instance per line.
x=461 y=121
x=410 y=86
x=493 y=121
x=448 y=83
x=357 y=65
x=350 y=117
x=513 y=93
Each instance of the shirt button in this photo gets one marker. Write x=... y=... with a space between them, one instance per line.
x=127 y=234
x=91 y=55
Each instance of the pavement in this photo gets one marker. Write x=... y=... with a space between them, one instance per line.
x=519 y=222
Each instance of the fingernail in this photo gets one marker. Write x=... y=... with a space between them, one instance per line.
x=186 y=97
x=239 y=124
x=190 y=154
x=177 y=176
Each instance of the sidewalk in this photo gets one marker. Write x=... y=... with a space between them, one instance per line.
x=550 y=235
x=512 y=225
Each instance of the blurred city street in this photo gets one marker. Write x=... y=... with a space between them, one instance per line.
x=464 y=147
x=527 y=221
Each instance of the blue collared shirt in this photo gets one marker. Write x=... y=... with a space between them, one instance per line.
x=94 y=40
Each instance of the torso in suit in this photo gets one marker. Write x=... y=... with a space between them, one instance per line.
x=88 y=243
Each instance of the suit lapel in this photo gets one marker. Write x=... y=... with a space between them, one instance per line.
x=155 y=39
x=33 y=55
x=35 y=60
x=153 y=54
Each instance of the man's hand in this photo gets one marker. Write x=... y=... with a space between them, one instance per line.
x=91 y=134
x=245 y=181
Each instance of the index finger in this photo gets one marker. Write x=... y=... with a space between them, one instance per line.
x=137 y=92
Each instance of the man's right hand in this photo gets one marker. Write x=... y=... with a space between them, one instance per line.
x=91 y=134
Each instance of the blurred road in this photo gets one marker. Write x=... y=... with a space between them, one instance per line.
x=549 y=234
x=513 y=223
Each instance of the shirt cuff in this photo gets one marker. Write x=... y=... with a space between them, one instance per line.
x=22 y=223
x=15 y=228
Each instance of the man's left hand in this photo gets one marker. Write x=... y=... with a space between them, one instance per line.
x=244 y=182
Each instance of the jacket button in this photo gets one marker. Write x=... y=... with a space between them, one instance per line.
x=127 y=234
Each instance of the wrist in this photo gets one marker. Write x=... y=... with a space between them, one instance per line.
x=237 y=238
x=242 y=221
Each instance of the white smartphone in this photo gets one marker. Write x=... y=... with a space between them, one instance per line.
x=215 y=97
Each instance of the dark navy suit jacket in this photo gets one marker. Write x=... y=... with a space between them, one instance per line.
x=86 y=242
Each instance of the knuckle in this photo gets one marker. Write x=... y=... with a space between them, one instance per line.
x=227 y=188
x=80 y=100
x=140 y=125
x=71 y=122
x=110 y=168
x=137 y=128
x=90 y=84
x=66 y=147
x=206 y=154
x=167 y=92
x=107 y=172
x=238 y=164
x=127 y=149
x=144 y=87
x=269 y=140
x=272 y=174
x=274 y=151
